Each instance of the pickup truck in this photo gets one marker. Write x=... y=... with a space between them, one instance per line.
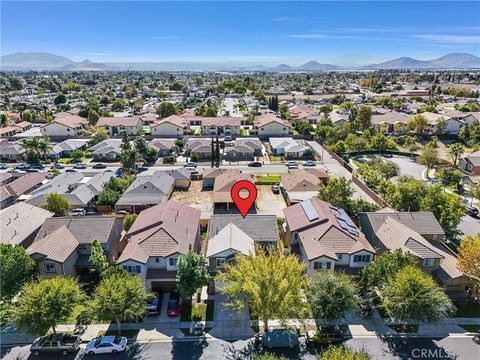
x=55 y=343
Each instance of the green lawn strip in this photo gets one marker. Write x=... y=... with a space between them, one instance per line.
x=408 y=329
x=269 y=179
x=197 y=312
x=471 y=328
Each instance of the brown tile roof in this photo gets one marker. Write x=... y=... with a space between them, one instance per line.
x=265 y=119
x=423 y=222
x=173 y=119
x=221 y=121
x=162 y=230
x=57 y=246
x=118 y=121
x=300 y=180
x=325 y=235
x=224 y=183
x=25 y=183
x=71 y=121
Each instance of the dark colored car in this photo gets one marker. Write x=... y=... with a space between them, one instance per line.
x=471 y=210
x=254 y=164
x=37 y=166
x=119 y=172
x=325 y=335
x=56 y=344
x=71 y=170
x=58 y=166
x=154 y=305
x=99 y=166
x=79 y=166
x=387 y=155
x=174 y=305
x=275 y=189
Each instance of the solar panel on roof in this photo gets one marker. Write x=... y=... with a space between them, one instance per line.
x=343 y=224
x=346 y=218
x=309 y=210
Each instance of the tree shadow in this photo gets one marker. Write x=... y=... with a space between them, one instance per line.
x=408 y=348
x=184 y=350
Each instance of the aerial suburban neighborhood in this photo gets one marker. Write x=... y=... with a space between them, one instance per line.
x=261 y=209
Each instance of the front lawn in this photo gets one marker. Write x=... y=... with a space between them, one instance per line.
x=197 y=311
x=467 y=309
x=269 y=179
x=471 y=328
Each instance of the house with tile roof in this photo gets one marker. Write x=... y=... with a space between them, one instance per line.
x=108 y=149
x=270 y=125
x=222 y=188
x=20 y=223
x=326 y=238
x=221 y=126
x=201 y=146
x=65 y=126
x=11 y=150
x=62 y=245
x=20 y=186
x=118 y=125
x=173 y=125
x=146 y=191
x=302 y=184
x=418 y=234
x=287 y=147
x=155 y=241
x=470 y=163
x=164 y=147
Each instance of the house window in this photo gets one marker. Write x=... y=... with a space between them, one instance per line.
x=320 y=265
x=428 y=263
x=172 y=261
x=361 y=258
x=50 y=268
x=340 y=256
x=434 y=237
x=157 y=259
x=295 y=236
x=133 y=269
x=220 y=262
x=83 y=247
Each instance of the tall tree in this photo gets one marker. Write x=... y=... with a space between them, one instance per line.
x=212 y=155
x=428 y=157
x=16 y=268
x=332 y=295
x=128 y=221
x=414 y=295
x=44 y=304
x=166 y=109
x=271 y=284
x=364 y=117
x=120 y=297
x=57 y=204
x=417 y=123
x=337 y=192
x=469 y=257
x=217 y=152
x=97 y=257
x=385 y=267
x=192 y=274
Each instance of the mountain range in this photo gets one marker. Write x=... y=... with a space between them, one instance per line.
x=46 y=61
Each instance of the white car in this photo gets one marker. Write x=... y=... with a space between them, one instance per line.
x=78 y=212
x=106 y=344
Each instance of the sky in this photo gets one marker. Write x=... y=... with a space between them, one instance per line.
x=268 y=32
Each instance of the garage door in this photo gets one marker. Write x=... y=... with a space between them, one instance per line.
x=163 y=286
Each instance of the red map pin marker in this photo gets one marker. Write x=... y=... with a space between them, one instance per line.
x=239 y=196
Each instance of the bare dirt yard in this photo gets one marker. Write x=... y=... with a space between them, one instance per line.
x=269 y=203
x=197 y=198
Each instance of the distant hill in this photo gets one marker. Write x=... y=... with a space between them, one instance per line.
x=316 y=66
x=33 y=61
x=457 y=61
x=46 y=61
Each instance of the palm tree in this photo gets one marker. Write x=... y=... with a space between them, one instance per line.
x=456 y=150
x=43 y=146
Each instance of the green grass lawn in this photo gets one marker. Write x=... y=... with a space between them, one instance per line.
x=277 y=159
x=244 y=132
x=467 y=309
x=197 y=312
x=269 y=179
x=129 y=334
x=66 y=160
x=471 y=328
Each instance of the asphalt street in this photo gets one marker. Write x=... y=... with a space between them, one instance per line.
x=458 y=348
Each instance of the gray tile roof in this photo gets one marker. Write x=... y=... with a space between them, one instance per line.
x=57 y=246
x=423 y=222
x=147 y=190
x=84 y=229
x=19 y=221
x=261 y=228
x=230 y=237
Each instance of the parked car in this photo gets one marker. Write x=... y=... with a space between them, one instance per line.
x=99 y=166
x=33 y=170
x=71 y=170
x=227 y=138
x=55 y=343
x=154 y=305
x=387 y=155
x=3 y=166
x=106 y=344
x=58 y=166
x=280 y=338
x=254 y=164
x=122 y=212
x=290 y=163
x=471 y=210
x=190 y=165
x=293 y=166
x=174 y=305
x=79 y=166
x=78 y=212
x=119 y=172
x=309 y=163
x=22 y=166
x=37 y=166
x=275 y=189
x=325 y=335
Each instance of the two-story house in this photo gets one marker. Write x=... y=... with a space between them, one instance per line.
x=156 y=239
x=221 y=125
x=270 y=125
x=419 y=234
x=120 y=125
x=325 y=237
x=65 y=126
x=63 y=245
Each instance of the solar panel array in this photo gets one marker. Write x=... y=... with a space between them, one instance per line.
x=309 y=210
x=346 y=223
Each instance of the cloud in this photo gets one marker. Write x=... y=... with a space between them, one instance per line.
x=452 y=39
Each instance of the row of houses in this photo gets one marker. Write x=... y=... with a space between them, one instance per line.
x=321 y=235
